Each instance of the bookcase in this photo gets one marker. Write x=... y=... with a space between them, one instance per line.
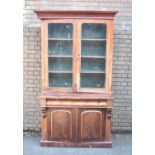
x=76 y=75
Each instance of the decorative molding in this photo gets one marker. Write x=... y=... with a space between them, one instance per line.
x=109 y=113
x=75 y=14
x=43 y=111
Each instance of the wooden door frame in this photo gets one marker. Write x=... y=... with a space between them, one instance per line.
x=44 y=55
x=108 y=59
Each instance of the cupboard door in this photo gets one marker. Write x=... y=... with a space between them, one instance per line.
x=91 y=124
x=60 y=55
x=61 y=124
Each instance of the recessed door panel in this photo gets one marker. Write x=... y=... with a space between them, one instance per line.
x=91 y=124
x=61 y=126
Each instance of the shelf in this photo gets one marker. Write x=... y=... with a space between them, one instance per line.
x=92 y=57
x=93 y=39
x=61 y=39
x=60 y=56
x=67 y=56
x=92 y=72
x=60 y=72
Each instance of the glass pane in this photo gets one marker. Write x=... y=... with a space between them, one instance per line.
x=93 y=48
x=60 y=80
x=92 y=80
x=93 y=31
x=91 y=65
x=60 y=30
x=60 y=64
x=60 y=47
x=93 y=52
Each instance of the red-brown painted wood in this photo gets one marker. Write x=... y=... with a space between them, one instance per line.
x=76 y=117
x=79 y=14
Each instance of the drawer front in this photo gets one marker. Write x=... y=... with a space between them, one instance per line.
x=91 y=124
x=61 y=124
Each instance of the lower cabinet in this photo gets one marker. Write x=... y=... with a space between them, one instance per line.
x=77 y=127
x=75 y=123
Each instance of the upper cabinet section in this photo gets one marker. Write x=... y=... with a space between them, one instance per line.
x=76 y=50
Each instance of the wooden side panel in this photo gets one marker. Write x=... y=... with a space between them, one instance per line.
x=91 y=124
x=109 y=56
x=43 y=54
x=61 y=124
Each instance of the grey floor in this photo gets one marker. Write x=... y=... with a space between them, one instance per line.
x=121 y=146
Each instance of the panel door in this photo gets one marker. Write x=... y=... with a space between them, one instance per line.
x=91 y=124
x=61 y=124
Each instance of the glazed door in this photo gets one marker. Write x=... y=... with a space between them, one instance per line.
x=59 y=54
x=93 y=55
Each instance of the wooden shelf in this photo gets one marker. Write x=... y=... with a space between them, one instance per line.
x=60 y=39
x=92 y=72
x=94 y=57
x=93 y=39
x=60 y=72
x=60 y=56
